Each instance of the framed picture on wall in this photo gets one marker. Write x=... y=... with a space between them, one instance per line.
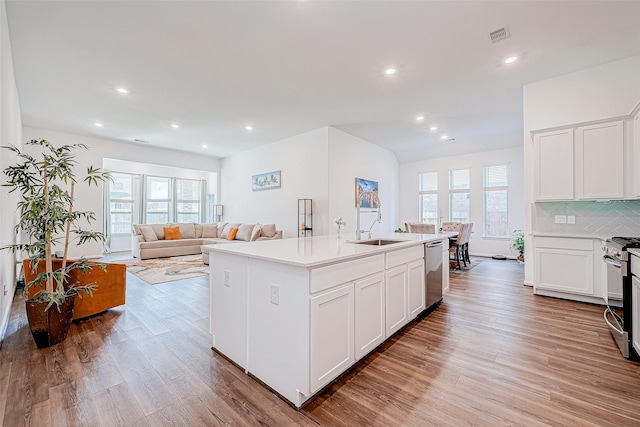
x=266 y=181
x=364 y=185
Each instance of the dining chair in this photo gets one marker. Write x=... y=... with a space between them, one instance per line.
x=456 y=248
x=465 y=247
x=451 y=226
x=418 y=227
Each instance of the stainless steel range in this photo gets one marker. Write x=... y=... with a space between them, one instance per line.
x=619 y=272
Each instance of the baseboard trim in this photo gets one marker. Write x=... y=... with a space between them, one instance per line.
x=4 y=324
x=572 y=297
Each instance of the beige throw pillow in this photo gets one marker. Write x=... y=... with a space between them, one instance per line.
x=244 y=232
x=221 y=226
x=255 y=233
x=148 y=234
x=268 y=230
x=209 y=231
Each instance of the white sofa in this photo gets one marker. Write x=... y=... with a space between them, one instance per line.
x=149 y=240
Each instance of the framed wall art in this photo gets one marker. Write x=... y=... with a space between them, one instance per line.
x=363 y=185
x=266 y=181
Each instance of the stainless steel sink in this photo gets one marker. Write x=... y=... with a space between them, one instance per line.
x=376 y=242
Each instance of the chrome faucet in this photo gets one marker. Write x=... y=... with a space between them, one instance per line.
x=378 y=218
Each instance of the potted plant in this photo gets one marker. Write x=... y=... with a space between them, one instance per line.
x=517 y=243
x=46 y=183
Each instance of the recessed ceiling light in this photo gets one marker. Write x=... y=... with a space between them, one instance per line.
x=419 y=118
x=204 y=145
x=98 y=124
x=122 y=90
x=510 y=59
x=433 y=128
x=175 y=126
x=248 y=127
x=390 y=71
x=444 y=137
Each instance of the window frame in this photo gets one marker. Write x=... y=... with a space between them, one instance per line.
x=453 y=191
x=494 y=188
x=422 y=193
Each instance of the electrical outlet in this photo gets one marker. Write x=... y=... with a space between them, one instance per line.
x=227 y=273
x=6 y=291
x=275 y=294
x=571 y=219
x=561 y=219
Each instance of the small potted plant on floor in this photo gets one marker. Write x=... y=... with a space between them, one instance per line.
x=517 y=243
x=46 y=183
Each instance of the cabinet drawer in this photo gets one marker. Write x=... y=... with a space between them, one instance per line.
x=332 y=275
x=403 y=256
x=564 y=243
x=635 y=265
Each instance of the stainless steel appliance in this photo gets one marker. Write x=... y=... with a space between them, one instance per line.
x=619 y=272
x=433 y=271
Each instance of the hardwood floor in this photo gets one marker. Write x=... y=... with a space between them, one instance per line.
x=491 y=354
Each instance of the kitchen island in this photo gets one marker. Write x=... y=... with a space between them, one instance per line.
x=296 y=313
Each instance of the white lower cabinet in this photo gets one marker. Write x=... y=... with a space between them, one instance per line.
x=396 y=299
x=416 y=288
x=570 y=268
x=369 y=314
x=332 y=343
x=635 y=313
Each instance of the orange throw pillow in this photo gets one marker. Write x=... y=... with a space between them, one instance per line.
x=232 y=233
x=172 y=233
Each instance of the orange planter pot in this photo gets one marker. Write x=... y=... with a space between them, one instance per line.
x=111 y=292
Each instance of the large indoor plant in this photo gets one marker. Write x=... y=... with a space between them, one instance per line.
x=46 y=183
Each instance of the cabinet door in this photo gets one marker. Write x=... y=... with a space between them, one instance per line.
x=636 y=154
x=553 y=165
x=331 y=335
x=369 y=306
x=600 y=161
x=416 y=287
x=635 y=313
x=395 y=299
x=564 y=270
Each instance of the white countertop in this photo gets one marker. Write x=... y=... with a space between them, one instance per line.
x=320 y=250
x=634 y=251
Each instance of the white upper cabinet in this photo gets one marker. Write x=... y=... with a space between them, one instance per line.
x=636 y=154
x=553 y=165
x=583 y=163
x=599 y=161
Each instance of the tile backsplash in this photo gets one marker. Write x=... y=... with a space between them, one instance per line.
x=608 y=218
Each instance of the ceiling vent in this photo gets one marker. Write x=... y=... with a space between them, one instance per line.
x=499 y=34
x=140 y=141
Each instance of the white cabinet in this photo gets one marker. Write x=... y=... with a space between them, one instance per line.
x=582 y=163
x=569 y=268
x=636 y=154
x=332 y=344
x=369 y=314
x=553 y=165
x=396 y=299
x=635 y=313
x=599 y=161
x=445 y=267
x=416 y=288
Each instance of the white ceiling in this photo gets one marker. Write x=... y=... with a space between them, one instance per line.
x=290 y=67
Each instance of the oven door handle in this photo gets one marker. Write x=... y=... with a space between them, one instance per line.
x=616 y=318
x=611 y=261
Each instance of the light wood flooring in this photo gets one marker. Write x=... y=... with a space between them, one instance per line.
x=491 y=354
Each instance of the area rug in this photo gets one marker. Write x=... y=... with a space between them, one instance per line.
x=162 y=270
x=465 y=269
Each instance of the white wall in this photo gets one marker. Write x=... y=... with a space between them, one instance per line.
x=350 y=158
x=10 y=133
x=90 y=199
x=302 y=160
x=607 y=91
x=478 y=245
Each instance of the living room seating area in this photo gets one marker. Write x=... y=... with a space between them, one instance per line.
x=166 y=240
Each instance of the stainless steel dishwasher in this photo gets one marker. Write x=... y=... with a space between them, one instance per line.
x=433 y=271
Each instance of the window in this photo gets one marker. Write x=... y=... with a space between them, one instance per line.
x=158 y=192
x=188 y=200
x=459 y=190
x=496 y=189
x=121 y=201
x=429 y=198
